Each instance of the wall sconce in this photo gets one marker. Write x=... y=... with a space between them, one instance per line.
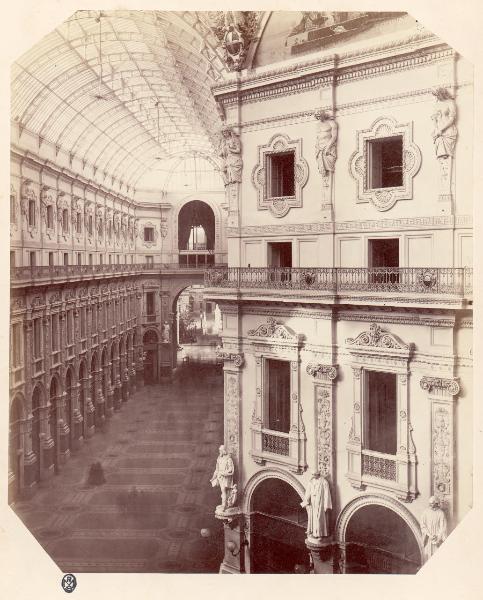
x=232 y=546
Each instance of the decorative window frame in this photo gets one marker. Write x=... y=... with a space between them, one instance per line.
x=276 y=341
x=385 y=198
x=378 y=350
x=280 y=206
x=28 y=194
x=77 y=218
x=155 y=234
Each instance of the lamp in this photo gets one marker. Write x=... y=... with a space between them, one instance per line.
x=232 y=546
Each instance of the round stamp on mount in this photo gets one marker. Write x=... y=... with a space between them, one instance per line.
x=69 y=583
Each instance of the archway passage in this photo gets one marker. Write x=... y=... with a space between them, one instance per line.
x=378 y=540
x=151 y=357
x=196 y=234
x=278 y=529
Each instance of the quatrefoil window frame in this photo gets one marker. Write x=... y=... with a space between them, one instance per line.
x=280 y=206
x=385 y=198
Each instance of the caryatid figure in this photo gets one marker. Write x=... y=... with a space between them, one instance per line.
x=433 y=527
x=230 y=154
x=326 y=143
x=444 y=119
x=317 y=501
x=223 y=476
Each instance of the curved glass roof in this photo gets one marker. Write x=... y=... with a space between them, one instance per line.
x=125 y=91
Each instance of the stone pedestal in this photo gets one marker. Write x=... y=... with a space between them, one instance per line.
x=235 y=543
x=321 y=551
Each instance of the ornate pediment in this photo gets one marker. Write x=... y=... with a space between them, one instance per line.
x=378 y=338
x=274 y=331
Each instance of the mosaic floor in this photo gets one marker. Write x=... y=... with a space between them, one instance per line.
x=158 y=455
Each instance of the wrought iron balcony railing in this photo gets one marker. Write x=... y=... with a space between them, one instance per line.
x=418 y=280
x=58 y=272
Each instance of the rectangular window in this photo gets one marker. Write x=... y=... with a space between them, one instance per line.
x=32 y=259
x=16 y=345
x=385 y=162
x=66 y=258
x=79 y=258
x=32 y=213
x=149 y=234
x=150 y=310
x=281 y=174
x=380 y=423
x=12 y=259
x=150 y=260
x=90 y=259
x=280 y=254
x=13 y=211
x=51 y=259
x=83 y=330
x=101 y=259
x=278 y=386
x=54 y=334
x=37 y=337
x=50 y=216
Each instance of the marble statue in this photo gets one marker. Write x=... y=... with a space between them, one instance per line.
x=317 y=501
x=433 y=527
x=229 y=151
x=326 y=142
x=165 y=335
x=223 y=476
x=444 y=118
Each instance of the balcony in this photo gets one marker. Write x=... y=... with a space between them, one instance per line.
x=418 y=286
x=23 y=276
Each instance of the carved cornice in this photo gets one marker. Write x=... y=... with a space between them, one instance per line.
x=275 y=331
x=318 y=370
x=237 y=359
x=377 y=338
x=451 y=386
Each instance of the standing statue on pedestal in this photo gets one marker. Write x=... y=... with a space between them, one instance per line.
x=317 y=501
x=223 y=477
x=166 y=333
x=326 y=144
x=433 y=527
x=229 y=150
x=444 y=118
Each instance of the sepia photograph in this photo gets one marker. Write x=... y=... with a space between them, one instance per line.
x=240 y=292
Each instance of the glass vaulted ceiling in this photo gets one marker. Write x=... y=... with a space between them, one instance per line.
x=127 y=92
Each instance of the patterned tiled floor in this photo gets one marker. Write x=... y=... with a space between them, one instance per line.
x=164 y=444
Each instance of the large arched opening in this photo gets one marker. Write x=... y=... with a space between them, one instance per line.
x=151 y=356
x=15 y=446
x=53 y=422
x=278 y=524
x=37 y=401
x=379 y=537
x=196 y=234
x=197 y=327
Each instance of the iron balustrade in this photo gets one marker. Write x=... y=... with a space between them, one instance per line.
x=53 y=272
x=418 y=280
x=275 y=443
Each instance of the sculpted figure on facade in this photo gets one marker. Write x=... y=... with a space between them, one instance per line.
x=433 y=527
x=229 y=150
x=165 y=334
x=317 y=501
x=326 y=143
x=444 y=119
x=223 y=477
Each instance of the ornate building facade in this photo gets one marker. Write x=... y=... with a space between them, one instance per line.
x=347 y=331
x=338 y=248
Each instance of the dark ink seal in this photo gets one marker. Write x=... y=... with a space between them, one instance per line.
x=69 y=583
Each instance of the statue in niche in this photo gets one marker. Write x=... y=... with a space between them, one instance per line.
x=165 y=335
x=433 y=527
x=229 y=150
x=325 y=145
x=223 y=477
x=317 y=501
x=444 y=118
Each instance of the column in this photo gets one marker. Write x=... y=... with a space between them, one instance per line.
x=47 y=443
x=117 y=383
x=63 y=429
x=77 y=418
x=89 y=426
x=106 y=373
x=124 y=377
x=100 y=405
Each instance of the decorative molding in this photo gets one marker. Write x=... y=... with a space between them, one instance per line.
x=385 y=198
x=237 y=359
x=275 y=331
x=232 y=414
x=439 y=384
x=155 y=234
x=318 y=370
x=377 y=337
x=279 y=206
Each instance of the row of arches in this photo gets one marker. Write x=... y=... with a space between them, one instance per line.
x=373 y=533
x=48 y=426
